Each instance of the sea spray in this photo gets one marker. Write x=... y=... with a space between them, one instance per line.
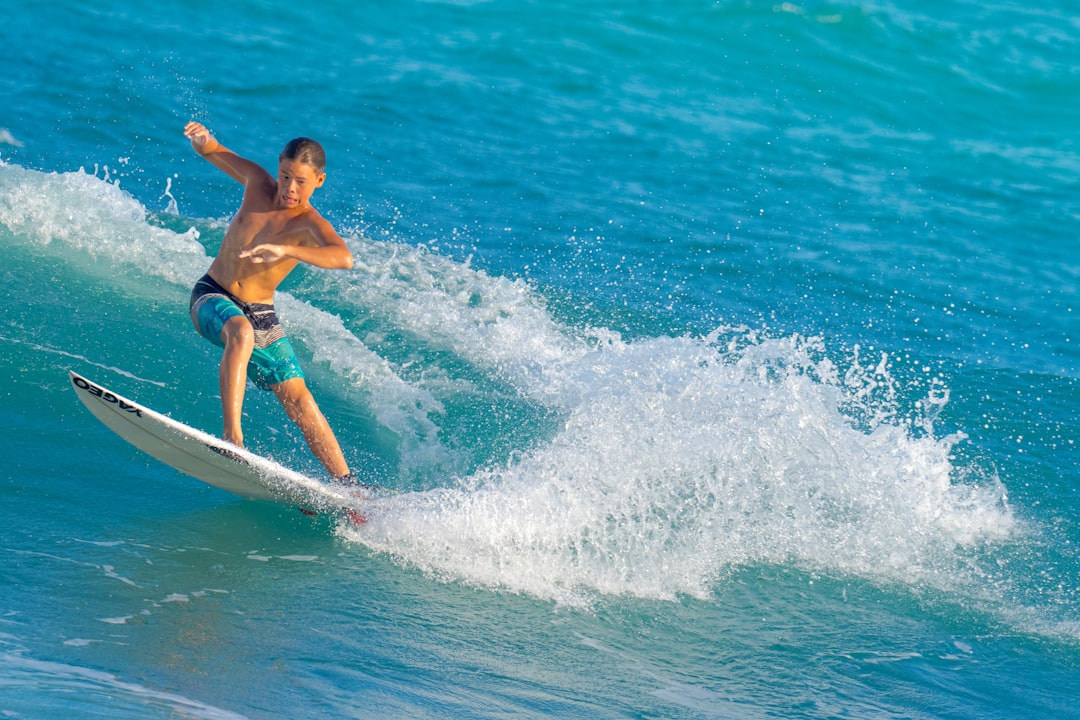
x=407 y=410
x=685 y=458
x=78 y=211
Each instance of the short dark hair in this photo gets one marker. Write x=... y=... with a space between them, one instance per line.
x=307 y=151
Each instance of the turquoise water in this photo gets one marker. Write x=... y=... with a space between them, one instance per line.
x=723 y=356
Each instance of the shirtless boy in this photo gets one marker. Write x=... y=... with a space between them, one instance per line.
x=275 y=229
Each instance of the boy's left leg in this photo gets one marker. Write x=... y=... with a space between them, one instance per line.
x=301 y=408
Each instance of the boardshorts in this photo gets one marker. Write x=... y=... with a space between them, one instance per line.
x=273 y=360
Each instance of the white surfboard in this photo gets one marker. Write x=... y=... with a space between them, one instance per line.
x=211 y=459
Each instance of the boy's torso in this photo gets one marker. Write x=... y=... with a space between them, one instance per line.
x=259 y=221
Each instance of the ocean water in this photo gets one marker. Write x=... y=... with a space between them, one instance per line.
x=722 y=356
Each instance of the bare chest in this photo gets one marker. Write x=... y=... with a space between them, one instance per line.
x=249 y=228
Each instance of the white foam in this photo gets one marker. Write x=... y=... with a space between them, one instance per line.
x=494 y=323
x=78 y=210
x=682 y=458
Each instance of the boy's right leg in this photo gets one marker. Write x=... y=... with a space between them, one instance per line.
x=239 y=341
x=301 y=408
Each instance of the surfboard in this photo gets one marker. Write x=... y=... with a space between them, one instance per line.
x=211 y=459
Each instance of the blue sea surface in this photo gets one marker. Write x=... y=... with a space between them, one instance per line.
x=722 y=357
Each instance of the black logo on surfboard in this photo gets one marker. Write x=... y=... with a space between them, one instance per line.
x=106 y=396
x=226 y=453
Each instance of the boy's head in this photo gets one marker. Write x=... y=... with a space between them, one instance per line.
x=300 y=170
x=307 y=151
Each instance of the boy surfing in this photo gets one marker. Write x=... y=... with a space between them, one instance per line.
x=232 y=305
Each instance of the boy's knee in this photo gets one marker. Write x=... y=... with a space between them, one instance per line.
x=238 y=331
x=293 y=392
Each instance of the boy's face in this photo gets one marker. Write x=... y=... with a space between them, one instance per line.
x=296 y=183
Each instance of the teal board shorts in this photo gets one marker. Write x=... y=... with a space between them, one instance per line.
x=273 y=360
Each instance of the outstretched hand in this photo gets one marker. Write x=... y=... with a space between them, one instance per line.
x=197 y=133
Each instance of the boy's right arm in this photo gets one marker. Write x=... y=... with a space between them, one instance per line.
x=239 y=169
